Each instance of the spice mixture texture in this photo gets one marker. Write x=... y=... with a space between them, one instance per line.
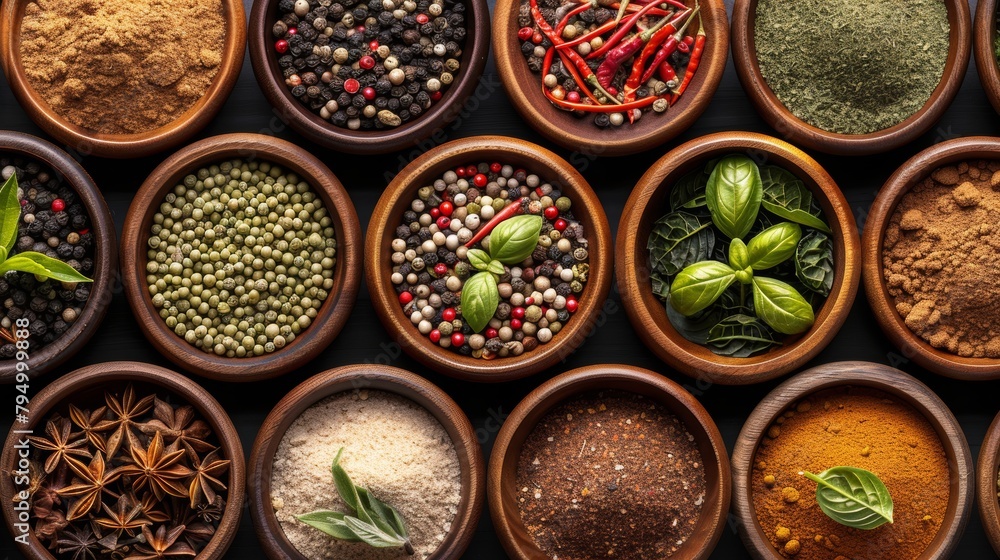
x=855 y=427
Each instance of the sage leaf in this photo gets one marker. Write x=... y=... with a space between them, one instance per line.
x=781 y=306
x=699 y=285
x=43 y=266
x=696 y=327
x=814 y=262
x=480 y=298
x=786 y=196
x=385 y=516
x=678 y=240
x=330 y=522
x=733 y=195
x=479 y=259
x=852 y=497
x=10 y=213
x=689 y=191
x=347 y=490
x=372 y=535
x=740 y=336
x=774 y=245
x=514 y=239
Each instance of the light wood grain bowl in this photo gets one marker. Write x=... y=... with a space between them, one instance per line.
x=915 y=170
x=90 y=142
x=650 y=200
x=524 y=88
x=424 y=171
x=292 y=112
x=105 y=274
x=371 y=378
x=86 y=386
x=986 y=484
x=984 y=31
x=347 y=273
x=799 y=132
x=856 y=374
x=502 y=490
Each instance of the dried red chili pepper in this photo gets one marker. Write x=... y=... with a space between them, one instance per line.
x=633 y=81
x=693 y=63
x=620 y=34
x=662 y=58
x=509 y=211
x=573 y=57
x=616 y=56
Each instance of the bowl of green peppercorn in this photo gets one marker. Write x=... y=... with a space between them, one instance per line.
x=241 y=257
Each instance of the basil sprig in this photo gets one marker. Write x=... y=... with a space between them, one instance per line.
x=852 y=497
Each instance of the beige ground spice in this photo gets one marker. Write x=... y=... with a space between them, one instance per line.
x=392 y=446
x=122 y=66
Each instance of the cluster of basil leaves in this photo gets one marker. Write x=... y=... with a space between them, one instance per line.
x=734 y=296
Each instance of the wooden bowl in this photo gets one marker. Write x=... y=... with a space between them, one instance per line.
x=649 y=201
x=501 y=482
x=524 y=88
x=423 y=171
x=799 y=132
x=984 y=35
x=432 y=122
x=347 y=274
x=916 y=169
x=374 y=378
x=124 y=146
x=88 y=384
x=105 y=254
x=860 y=374
x=986 y=484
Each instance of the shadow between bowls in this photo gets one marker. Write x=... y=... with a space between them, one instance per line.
x=502 y=484
x=986 y=484
x=431 y=123
x=123 y=146
x=372 y=378
x=424 y=171
x=861 y=374
x=105 y=254
x=984 y=30
x=347 y=274
x=799 y=132
x=88 y=384
x=650 y=200
x=524 y=88
x=916 y=169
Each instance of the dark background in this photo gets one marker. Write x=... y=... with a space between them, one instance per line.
x=364 y=339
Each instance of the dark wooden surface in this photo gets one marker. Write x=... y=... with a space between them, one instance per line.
x=489 y=111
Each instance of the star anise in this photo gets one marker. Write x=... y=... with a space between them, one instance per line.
x=152 y=508
x=91 y=424
x=158 y=469
x=125 y=413
x=59 y=443
x=211 y=513
x=94 y=481
x=198 y=533
x=162 y=544
x=205 y=480
x=179 y=428
x=127 y=518
x=80 y=543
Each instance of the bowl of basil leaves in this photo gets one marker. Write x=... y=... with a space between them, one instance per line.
x=742 y=261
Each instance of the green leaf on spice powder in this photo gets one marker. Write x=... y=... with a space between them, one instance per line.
x=330 y=522
x=678 y=240
x=689 y=191
x=774 y=245
x=479 y=259
x=740 y=336
x=372 y=535
x=480 y=298
x=733 y=195
x=814 y=262
x=348 y=492
x=786 y=196
x=781 y=306
x=42 y=266
x=852 y=497
x=384 y=516
x=10 y=214
x=514 y=240
x=699 y=285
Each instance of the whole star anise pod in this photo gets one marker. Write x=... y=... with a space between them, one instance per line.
x=59 y=443
x=205 y=479
x=92 y=424
x=162 y=472
x=162 y=544
x=125 y=413
x=179 y=427
x=79 y=543
x=127 y=518
x=94 y=480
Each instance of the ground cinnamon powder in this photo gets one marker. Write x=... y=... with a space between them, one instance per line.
x=854 y=427
x=941 y=259
x=122 y=66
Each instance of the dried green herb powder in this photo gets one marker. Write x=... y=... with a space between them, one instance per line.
x=850 y=66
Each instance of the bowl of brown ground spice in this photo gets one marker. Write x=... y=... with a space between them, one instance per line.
x=121 y=79
x=852 y=414
x=930 y=258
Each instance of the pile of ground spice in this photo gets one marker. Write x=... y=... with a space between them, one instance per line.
x=392 y=446
x=610 y=475
x=852 y=427
x=941 y=259
x=120 y=66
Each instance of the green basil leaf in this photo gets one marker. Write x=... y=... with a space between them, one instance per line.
x=479 y=259
x=480 y=298
x=330 y=522
x=496 y=267
x=774 y=245
x=740 y=336
x=514 y=240
x=42 y=266
x=852 y=497
x=780 y=306
x=10 y=213
x=689 y=191
x=786 y=196
x=699 y=285
x=372 y=535
x=739 y=256
x=733 y=195
x=696 y=327
x=347 y=490
x=678 y=240
x=814 y=262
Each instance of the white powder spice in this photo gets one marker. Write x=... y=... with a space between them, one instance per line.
x=392 y=446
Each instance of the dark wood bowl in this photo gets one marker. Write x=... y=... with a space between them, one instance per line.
x=375 y=378
x=858 y=374
x=524 y=88
x=649 y=201
x=986 y=484
x=916 y=169
x=423 y=171
x=431 y=123
x=347 y=275
x=984 y=33
x=105 y=254
x=501 y=482
x=88 y=384
x=799 y=132
x=124 y=146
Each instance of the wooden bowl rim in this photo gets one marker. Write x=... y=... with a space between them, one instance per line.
x=986 y=484
x=333 y=313
x=366 y=142
x=914 y=170
x=798 y=131
x=429 y=166
x=106 y=275
x=60 y=390
x=377 y=378
x=858 y=374
x=983 y=35
x=563 y=387
x=646 y=312
x=89 y=142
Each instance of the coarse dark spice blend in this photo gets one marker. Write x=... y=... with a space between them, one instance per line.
x=852 y=67
x=610 y=475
